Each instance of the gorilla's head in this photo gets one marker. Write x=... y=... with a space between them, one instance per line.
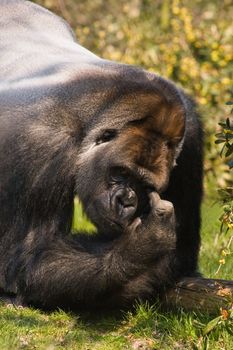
x=129 y=150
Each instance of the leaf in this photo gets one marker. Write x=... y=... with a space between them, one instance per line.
x=229 y=151
x=228 y=123
x=224 y=196
x=230 y=163
x=229 y=329
x=229 y=190
x=225 y=126
x=222 y=124
x=211 y=325
x=222 y=150
x=219 y=141
x=220 y=134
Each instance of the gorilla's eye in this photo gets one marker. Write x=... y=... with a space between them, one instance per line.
x=106 y=136
x=119 y=175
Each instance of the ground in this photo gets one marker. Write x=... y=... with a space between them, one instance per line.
x=145 y=328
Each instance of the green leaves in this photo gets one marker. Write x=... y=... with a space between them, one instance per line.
x=230 y=163
x=230 y=103
x=225 y=320
x=225 y=194
x=211 y=325
x=225 y=136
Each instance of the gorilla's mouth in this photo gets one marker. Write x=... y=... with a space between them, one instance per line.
x=129 y=197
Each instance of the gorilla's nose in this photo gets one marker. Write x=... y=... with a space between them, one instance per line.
x=126 y=202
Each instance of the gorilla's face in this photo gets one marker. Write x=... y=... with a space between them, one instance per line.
x=124 y=203
x=128 y=154
x=123 y=198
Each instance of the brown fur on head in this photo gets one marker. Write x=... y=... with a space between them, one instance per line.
x=150 y=145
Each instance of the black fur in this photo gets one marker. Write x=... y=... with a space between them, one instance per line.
x=72 y=123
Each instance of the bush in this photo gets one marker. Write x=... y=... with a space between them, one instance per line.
x=225 y=138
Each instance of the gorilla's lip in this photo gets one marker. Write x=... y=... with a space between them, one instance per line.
x=111 y=221
x=103 y=219
x=132 y=225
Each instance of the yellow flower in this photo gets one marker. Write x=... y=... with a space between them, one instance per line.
x=203 y=100
x=226 y=81
x=215 y=55
x=225 y=252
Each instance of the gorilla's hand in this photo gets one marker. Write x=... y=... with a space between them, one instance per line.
x=161 y=213
x=153 y=234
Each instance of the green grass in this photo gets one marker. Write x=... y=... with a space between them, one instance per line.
x=144 y=328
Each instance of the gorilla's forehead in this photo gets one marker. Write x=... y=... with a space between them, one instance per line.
x=123 y=94
x=149 y=124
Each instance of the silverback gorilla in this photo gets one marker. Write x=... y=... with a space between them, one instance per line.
x=127 y=142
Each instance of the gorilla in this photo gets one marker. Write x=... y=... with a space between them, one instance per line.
x=127 y=142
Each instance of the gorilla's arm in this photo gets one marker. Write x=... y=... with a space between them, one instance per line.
x=87 y=272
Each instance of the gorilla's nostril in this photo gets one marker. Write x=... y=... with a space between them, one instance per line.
x=125 y=202
x=126 y=197
x=129 y=198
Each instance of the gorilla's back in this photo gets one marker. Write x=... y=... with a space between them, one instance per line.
x=31 y=38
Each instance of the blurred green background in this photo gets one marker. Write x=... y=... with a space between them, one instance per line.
x=189 y=42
